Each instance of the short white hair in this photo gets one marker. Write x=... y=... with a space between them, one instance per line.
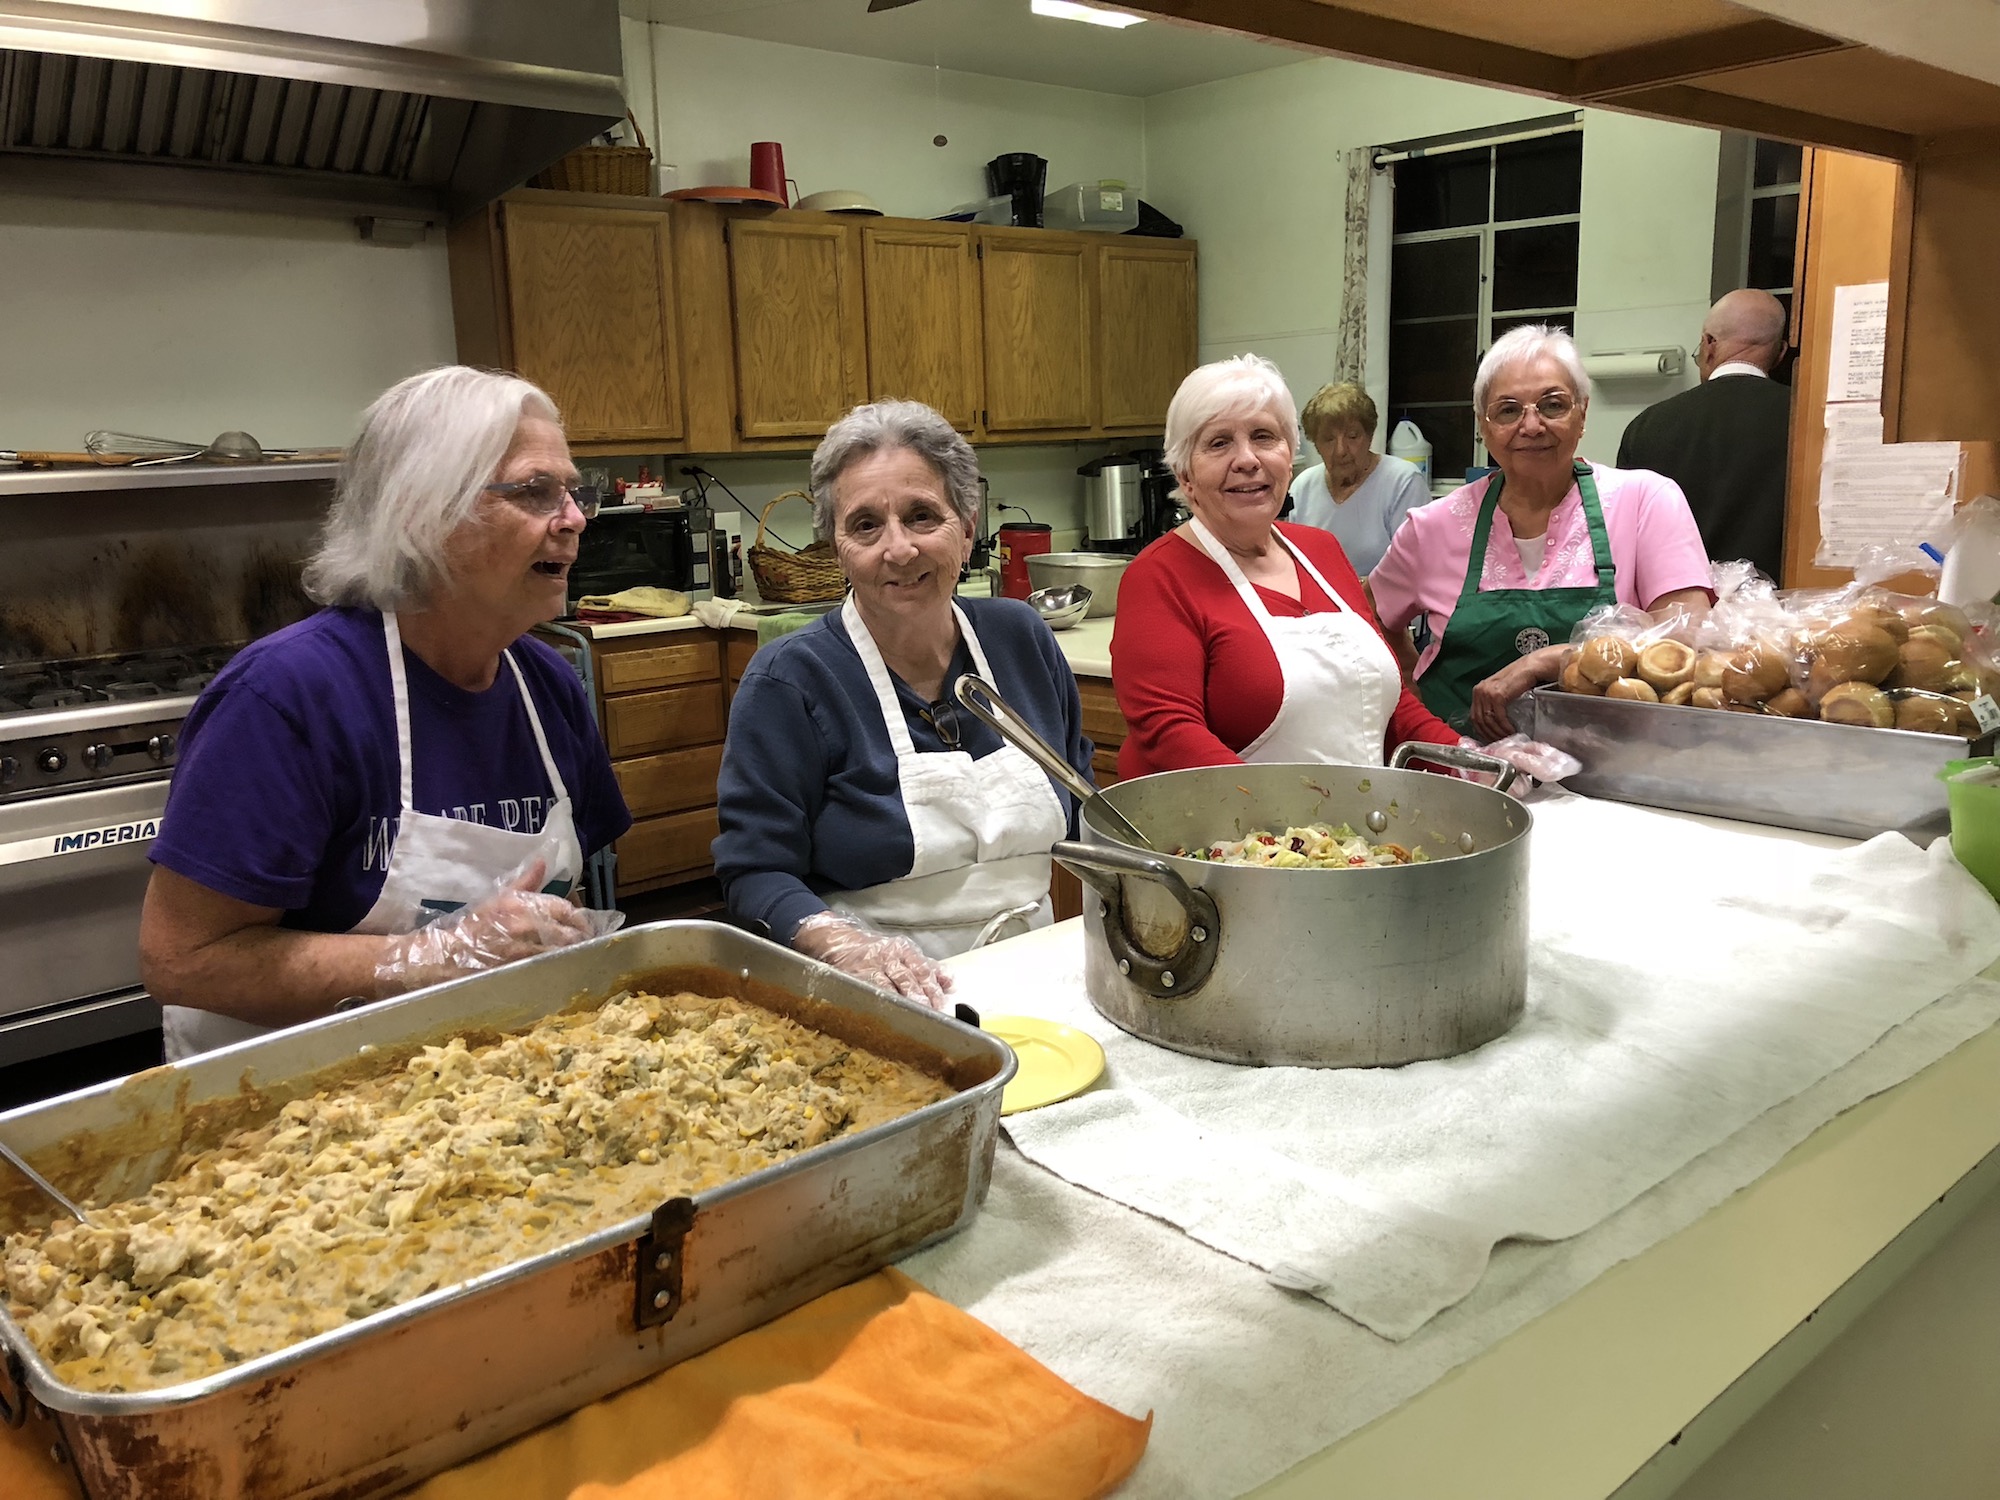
x=427 y=449
x=1525 y=345
x=881 y=425
x=1241 y=386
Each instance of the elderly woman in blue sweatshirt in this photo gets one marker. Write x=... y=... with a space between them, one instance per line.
x=866 y=819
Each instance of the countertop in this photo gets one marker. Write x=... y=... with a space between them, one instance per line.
x=1087 y=646
x=1623 y=1387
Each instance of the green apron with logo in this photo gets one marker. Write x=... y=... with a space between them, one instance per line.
x=1488 y=630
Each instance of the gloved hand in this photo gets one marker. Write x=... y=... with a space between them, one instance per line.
x=889 y=963
x=1530 y=757
x=518 y=921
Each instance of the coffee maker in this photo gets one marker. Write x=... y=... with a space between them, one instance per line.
x=1113 y=512
x=1021 y=176
x=1161 y=507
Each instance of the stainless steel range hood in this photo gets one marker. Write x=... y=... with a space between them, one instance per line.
x=420 y=109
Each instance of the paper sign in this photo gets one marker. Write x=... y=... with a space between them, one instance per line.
x=1860 y=336
x=1873 y=493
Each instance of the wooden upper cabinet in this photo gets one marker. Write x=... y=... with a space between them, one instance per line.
x=796 y=291
x=1146 y=335
x=591 y=312
x=1036 y=325
x=921 y=287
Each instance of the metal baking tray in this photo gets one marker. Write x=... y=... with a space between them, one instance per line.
x=394 y=1397
x=1759 y=768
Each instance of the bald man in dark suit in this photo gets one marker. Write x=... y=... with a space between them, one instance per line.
x=1725 y=442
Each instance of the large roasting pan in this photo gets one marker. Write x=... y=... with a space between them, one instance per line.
x=411 y=1390
x=1841 y=779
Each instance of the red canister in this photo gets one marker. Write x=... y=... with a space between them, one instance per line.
x=1018 y=541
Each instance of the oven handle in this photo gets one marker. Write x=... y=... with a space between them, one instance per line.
x=134 y=833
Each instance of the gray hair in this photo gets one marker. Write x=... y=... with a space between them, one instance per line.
x=1524 y=345
x=427 y=448
x=882 y=425
x=1240 y=386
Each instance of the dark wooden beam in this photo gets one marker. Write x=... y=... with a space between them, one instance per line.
x=1754 y=117
x=1339 y=32
x=1691 y=58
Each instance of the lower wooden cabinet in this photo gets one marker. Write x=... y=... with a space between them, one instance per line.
x=672 y=782
x=1106 y=727
x=666 y=719
x=666 y=851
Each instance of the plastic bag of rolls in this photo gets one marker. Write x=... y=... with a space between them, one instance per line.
x=1618 y=651
x=1857 y=655
x=1892 y=661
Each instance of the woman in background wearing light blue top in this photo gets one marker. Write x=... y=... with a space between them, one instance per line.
x=1358 y=495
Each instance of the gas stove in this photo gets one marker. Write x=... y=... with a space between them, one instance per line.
x=70 y=725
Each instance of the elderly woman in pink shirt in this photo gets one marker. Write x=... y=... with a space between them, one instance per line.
x=1501 y=570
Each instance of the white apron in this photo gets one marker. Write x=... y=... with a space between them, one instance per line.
x=1341 y=681
x=438 y=865
x=982 y=830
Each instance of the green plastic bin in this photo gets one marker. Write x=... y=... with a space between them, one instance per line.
x=1975 y=821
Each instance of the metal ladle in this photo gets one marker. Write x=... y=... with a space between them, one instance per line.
x=62 y=1202
x=984 y=703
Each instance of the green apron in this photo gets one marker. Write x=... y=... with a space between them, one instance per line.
x=1488 y=630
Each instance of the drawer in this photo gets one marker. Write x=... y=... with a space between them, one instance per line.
x=1101 y=719
x=628 y=671
x=640 y=723
x=737 y=649
x=1104 y=768
x=672 y=845
x=670 y=782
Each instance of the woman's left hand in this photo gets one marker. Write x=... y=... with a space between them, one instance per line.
x=1491 y=697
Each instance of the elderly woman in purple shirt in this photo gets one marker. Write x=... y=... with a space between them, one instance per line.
x=404 y=786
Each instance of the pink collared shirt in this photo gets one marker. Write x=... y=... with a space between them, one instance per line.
x=1655 y=549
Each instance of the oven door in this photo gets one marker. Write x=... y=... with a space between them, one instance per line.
x=73 y=873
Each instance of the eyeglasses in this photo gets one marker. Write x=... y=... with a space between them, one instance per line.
x=942 y=716
x=544 y=494
x=1551 y=408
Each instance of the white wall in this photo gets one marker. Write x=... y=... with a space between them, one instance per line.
x=1254 y=168
x=186 y=322
x=867 y=124
x=863 y=123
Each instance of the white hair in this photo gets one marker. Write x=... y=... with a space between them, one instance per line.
x=1524 y=345
x=427 y=448
x=882 y=425
x=1241 y=386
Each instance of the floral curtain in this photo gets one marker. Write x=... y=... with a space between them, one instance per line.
x=1350 y=349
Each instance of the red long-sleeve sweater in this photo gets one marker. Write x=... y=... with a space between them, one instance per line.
x=1195 y=677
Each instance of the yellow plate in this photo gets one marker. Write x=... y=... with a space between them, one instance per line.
x=1055 y=1060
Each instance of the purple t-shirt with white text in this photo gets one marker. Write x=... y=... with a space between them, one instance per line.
x=286 y=792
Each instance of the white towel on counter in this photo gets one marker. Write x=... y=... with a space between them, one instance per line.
x=1684 y=978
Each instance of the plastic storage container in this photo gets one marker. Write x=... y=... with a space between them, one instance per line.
x=998 y=210
x=1408 y=443
x=1108 y=206
x=1975 y=822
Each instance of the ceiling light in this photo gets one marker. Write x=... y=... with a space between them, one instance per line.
x=1067 y=10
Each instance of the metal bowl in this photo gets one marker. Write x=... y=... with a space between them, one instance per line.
x=1062 y=606
x=1099 y=572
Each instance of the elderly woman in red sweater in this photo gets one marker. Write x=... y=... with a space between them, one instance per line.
x=1239 y=638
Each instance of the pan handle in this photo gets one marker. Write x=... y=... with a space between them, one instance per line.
x=1453 y=755
x=984 y=703
x=1164 y=977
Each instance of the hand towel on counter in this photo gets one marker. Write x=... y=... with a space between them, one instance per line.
x=1684 y=978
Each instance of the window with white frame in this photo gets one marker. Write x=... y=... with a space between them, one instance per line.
x=1485 y=238
x=1771 y=229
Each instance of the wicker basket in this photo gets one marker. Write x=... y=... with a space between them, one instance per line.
x=803 y=577
x=626 y=170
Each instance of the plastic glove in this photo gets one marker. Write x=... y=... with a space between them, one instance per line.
x=889 y=963
x=1530 y=757
x=517 y=921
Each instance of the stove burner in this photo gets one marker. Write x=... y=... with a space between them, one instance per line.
x=194 y=682
x=121 y=691
x=58 y=697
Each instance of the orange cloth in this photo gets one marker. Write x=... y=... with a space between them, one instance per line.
x=878 y=1390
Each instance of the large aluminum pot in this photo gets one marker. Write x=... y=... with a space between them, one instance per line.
x=1314 y=968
